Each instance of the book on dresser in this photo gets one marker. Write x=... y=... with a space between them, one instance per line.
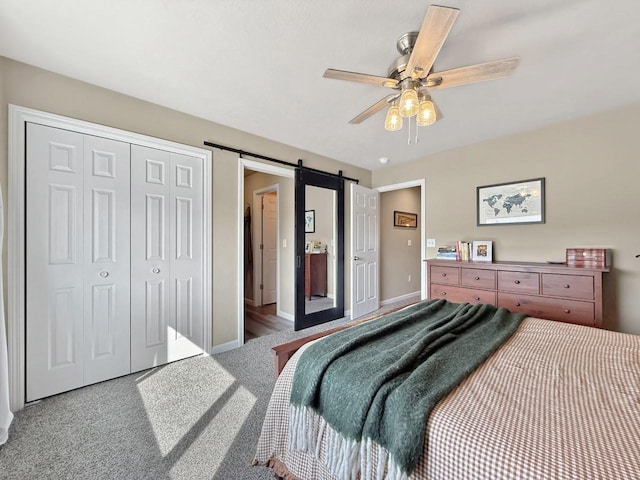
x=566 y=293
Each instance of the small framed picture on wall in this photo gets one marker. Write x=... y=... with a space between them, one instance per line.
x=482 y=251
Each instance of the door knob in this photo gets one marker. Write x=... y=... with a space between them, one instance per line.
x=156 y=270
x=356 y=258
x=104 y=274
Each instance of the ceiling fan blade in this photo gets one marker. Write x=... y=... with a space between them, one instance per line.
x=375 y=108
x=360 y=78
x=434 y=31
x=472 y=73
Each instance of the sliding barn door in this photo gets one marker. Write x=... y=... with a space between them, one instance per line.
x=166 y=257
x=77 y=291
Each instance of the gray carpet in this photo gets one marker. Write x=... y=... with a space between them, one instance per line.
x=199 y=418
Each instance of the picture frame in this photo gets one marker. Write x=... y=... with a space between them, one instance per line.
x=482 y=251
x=405 y=219
x=309 y=221
x=511 y=203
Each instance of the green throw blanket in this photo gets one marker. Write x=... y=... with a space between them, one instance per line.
x=378 y=382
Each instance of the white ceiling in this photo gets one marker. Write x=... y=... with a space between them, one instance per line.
x=257 y=65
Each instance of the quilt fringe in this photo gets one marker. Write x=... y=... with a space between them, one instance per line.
x=347 y=459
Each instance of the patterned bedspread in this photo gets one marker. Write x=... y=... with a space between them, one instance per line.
x=557 y=401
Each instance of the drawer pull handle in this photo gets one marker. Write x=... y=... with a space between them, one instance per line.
x=477 y=278
x=444 y=274
x=566 y=310
x=444 y=293
x=517 y=282
x=517 y=304
x=566 y=285
x=477 y=299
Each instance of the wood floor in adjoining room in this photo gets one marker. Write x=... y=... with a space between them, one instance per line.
x=260 y=321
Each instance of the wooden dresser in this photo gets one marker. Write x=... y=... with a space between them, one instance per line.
x=315 y=274
x=555 y=292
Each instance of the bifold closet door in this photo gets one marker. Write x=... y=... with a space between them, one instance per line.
x=166 y=257
x=77 y=263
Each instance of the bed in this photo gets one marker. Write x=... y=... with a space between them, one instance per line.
x=554 y=401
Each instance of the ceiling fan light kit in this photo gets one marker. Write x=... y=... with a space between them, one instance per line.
x=412 y=73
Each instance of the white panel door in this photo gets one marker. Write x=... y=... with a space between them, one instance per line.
x=54 y=309
x=77 y=260
x=269 y=247
x=365 y=233
x=166 y=257
x=186 y=328
x=106 y=259
x=150 y=289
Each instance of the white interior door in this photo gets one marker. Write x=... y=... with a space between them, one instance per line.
x=269 y=247
x=186 y=332
x=77 y=320
x=365 y=232
x=166 y=257
x=106 y=259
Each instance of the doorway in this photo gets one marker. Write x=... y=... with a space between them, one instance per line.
x=266 y=248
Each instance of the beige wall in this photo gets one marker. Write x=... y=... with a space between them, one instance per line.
x=398 y=260
x=31 y=87
x=592 y=172
x=286 y=255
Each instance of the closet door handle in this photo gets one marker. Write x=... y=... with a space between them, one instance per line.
x=356 y=258
x=104 y=274
x=155 y=270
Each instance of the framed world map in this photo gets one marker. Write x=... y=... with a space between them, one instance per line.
x=511 y=203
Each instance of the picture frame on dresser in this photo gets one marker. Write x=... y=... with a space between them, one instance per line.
x=512 y=203
x=482 y=251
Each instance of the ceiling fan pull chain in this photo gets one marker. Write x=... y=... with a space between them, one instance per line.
x=417 y=130
x=409 y=138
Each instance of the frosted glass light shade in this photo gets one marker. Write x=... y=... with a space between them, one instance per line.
x=393 y=120
x=426 y=114
x=408 y=105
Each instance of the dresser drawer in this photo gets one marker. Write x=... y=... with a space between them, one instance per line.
x=570 y=311
x=523 y=282
x=462 y=295
x=447 y=275
x=477 y=278
x=572 y=286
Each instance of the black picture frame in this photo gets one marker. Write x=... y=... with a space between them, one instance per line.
x=309 y=221
x=511 y=203
x=405 y=219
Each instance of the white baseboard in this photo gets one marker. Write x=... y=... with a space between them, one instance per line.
x=402 y=298
x=285 y=315
x=225 y=347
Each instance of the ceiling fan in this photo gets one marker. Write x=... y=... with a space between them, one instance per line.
x=412 y=75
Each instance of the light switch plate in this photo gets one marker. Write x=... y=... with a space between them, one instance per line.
x=431 y=242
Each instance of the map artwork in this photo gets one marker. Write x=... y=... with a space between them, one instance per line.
x=510 y=203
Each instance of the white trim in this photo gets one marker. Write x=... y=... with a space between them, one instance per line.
x=18 y=116
x=286 y=316
x=225 y=347
x=402 y=298
x=258 y=167
x=420 y=182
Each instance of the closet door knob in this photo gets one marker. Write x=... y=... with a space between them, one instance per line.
x=104 y=274
x=156 y=270
x=356 y=258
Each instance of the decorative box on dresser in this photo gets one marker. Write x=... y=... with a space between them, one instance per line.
x=564 y=293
